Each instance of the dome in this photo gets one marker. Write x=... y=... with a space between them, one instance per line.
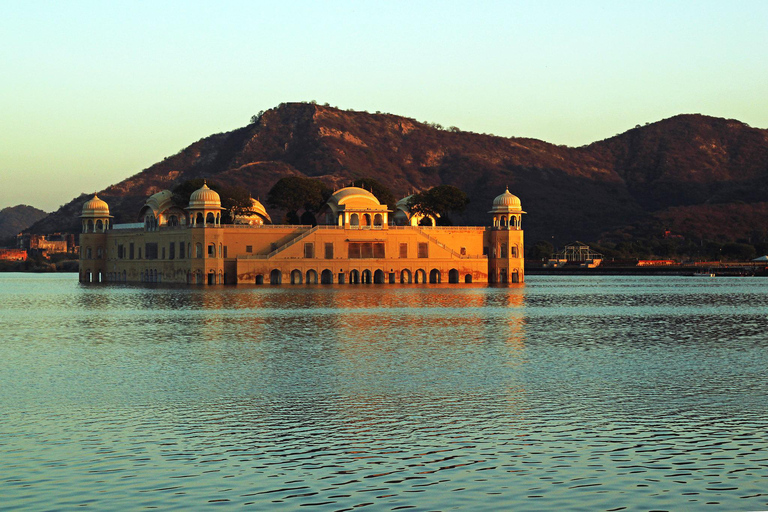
x=259 y=209
x=356 y=195
x=205 y=198
x=258 y=216
x=160 y=201
x=507 y=203
x=95 y=208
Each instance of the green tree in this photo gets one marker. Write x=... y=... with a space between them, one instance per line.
x=738 y=252
x=294 y=193
x=439 y=202
x=382 y=193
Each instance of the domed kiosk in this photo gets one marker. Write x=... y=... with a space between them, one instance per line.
x=506 y=211
x=95 y=215
x=355 y=207
x=204 y=207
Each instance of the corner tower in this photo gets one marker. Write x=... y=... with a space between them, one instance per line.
x=505 y=257
x=96 y=222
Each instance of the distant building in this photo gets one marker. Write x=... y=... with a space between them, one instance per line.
x=576 y=253
x=43 y=244
x=356 y=244
x=13 y=254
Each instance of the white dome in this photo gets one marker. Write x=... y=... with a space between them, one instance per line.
x=205 y=198
x=95 y=208
x=507 y=203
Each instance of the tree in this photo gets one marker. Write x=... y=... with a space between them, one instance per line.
x=541 y=251
x=439 y=201
x=234 y=200
x=294 y=193
x=382 y=193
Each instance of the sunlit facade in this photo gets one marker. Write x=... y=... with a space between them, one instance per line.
x=358 y=241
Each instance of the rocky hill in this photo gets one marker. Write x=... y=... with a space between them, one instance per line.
x=15 y=219
x=692 y=174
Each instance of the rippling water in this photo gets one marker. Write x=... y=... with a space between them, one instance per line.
x=604 y=393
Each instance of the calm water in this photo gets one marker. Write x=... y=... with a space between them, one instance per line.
x=604 y=393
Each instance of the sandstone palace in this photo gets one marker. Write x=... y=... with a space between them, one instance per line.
x=360 y=241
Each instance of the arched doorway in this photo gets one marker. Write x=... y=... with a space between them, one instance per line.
x=275 y=277
x=453 y=276
x=405 y=276
x=311 y=276
x=259 y=279
x=378 y=277
x=515 y=276
x=468 y=278
x=366 y=277
x=326 y=277
x=420 y=276
x=296 y=276
x=354 y=277
x=434 y=276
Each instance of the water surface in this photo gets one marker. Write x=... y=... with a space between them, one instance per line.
x=604 y=393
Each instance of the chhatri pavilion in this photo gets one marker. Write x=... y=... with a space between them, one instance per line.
x=359 y=240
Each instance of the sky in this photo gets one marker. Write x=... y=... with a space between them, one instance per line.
x=93 y=92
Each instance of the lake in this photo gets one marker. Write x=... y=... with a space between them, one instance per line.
x=570 y=393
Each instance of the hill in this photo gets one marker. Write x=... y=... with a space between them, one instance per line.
x=15 y=219
x=706 y=170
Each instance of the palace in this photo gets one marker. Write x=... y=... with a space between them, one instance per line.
x=357 y=243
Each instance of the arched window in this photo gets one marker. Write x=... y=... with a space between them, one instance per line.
x=99 y=226
x=503 y=222
x=366 y=219
x=90 y=226
x=354 y=220
x=199 y=219
x=210 y=219
x=468 y=278
x=378 y=220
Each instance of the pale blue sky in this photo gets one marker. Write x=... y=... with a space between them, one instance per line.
x=93 y=92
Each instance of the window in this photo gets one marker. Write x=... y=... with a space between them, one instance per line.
x=463 y=251
x=130 y=251
x=139 y=255
x=150 y=249
x=181 y=250
x=503 y=252
x=309 y=250
x=248 y=248
x=211 y=251
x=366 y=250
x=403 y=250
x=199 y=250
x=120 y=251
x=514 y=251
x=225 y=251
x=423 y=250
x=163 y=253
x=172 y=251
x=329 y=250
